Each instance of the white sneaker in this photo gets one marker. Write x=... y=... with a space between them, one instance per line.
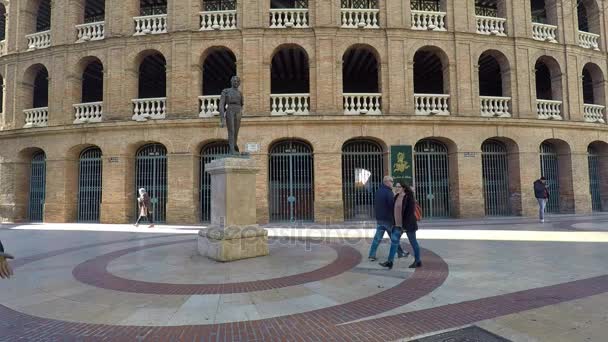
x=542 y=221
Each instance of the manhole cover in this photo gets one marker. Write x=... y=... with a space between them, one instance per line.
x=469 y=334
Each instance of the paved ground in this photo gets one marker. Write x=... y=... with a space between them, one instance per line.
x=514 y=277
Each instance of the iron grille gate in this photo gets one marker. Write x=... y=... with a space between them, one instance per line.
x=151 y=174
x=89 y=185
x=35 y=210
x=549 y=167
x=432 y=178
x=495 y=178
x=291 y=188
x=362 y=173
x=594 y=179
x=208 y=153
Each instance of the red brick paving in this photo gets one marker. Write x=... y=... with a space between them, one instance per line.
x=94 y=272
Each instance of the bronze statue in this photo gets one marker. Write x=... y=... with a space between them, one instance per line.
x=231 y=104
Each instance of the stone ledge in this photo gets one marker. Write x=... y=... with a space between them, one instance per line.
x=230 y=233
x=233 y=244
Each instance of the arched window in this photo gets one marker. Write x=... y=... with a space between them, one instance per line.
x=35 y=90
x=593 y=94
x=494 y=84
x=92 y=82
x=549 y=168
x=43 y=18
x=290 y=81
x=94 y=11
x=37 y=191
x=361 y=81
x=3 y=15
x=362 y=173
x=151 y=174
x=432 y=178
x=152 y=100
x=548 y=88
x=89 y=185
x=597 y=154
x=41 y=89
x=431 y=82
x=495 y=172
x=218 y=68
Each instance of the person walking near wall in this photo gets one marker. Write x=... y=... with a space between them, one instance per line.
x=144 y=204
x=383 y=206
x=5 y=269
x=542 y=196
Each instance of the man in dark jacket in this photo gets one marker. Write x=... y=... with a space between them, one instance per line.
x=5 y=268
x=384 y=209
x=542 y=195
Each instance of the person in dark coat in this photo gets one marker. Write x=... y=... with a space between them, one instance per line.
x=5 y=269
x=542 y=196
x=144 y=204
x=383 y=207
x=405 y=221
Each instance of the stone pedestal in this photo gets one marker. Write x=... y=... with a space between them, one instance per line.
x=233 y=233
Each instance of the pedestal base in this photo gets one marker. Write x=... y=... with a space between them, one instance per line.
x=234 y=243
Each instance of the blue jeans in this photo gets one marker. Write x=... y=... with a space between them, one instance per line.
x=380 y=229
x=395 y=246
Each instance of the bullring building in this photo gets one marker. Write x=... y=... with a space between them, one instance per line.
x=103 y=97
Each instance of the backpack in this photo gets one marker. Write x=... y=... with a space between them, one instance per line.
x=418 y=212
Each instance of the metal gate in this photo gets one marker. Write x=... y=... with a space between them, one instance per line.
x=291 y=184
x=89 y=185
x=549 y=167
x=432 y=178
x=362 y=173
x=208 y=153
x=35 y=210
x=594 y=179
x=495 y=178
x=151 y=174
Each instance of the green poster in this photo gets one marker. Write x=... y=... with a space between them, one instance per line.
x=402 y=163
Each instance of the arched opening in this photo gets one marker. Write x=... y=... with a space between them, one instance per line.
x=89 y=184
x=218 y=68
x=593 y=93
x=152 y=88
x=494 y=84
x=92 y=82
x=544 y=12
x=597 y=154
x=588 y=14
x=152 y=7
x=94 y=11
x=556 y=167
x=40 y=94
x=37 y=190
x=43 y=17
x=151 y=174
x=548 y=88
x=3 y=15
x=296 y=17
x=431 y=82
x=495 y=172
x=291 y=182
x=491 y=8
x=289 y=81
x=209 y=152
x=362 y=172
x=361 y=81
x=432 y=178
x=35 y=95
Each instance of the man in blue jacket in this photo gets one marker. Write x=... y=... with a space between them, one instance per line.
x=384 y=208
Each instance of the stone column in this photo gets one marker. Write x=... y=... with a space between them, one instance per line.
x=396 y=83
x=181 y=101
x=572 y=80
x=566 y=20
x=118 y=188
x=579 y=177
x=459 y=16
x=182 y=188
x=61 y=184
x=261 y=188
x=60 y=21
x=327 y=85
x=183 y=15
x=395 y=13
x=119 y=18
x=60 y=111
x=462 y=92
x=529 y=172
x=24 y=16
x=519 y=18
x=11 y=118
x=252 y=14
x=120 y=82
x=327 y=13
x=14 y=177
x=466 y=184
x=525 y=76
x=328 y=187
x=255 y=78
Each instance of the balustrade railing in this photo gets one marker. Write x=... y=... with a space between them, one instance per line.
x=432 y=104
x=495 y=106
x=150 y=24
x=362 y=103
x=3 y=47
x=491 y=25
x=88 y=112
x=218 y=20
x=288 y=17
x=427 y=20
x=90 y=31
x=36 y=117
x=152 y=108
x=360 y=17
x=589 y=40
x=39 y=40
x=544 y=32
x=549 y=109
x=209 y=105
x=594 y=113
x=287 y=104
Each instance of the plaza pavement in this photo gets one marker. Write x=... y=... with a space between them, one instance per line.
x=515 y=277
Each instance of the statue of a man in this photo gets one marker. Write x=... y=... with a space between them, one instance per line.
x=231 y=104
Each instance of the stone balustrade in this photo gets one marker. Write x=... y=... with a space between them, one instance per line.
x=36 y=117
x=427 y=20
x=432 y=104
x=209 y=106
x=218 y=20
x=495 y=106
x=90 y=31
x=589 y=40
x=549 y=109
x=360 y=18
x=288 y=17
x=544 y=32
x=362 y=103
x=287 y=104
x=39 y=40
x=593 y=113
x=151 y=108
x=2 y=47
x=491 y=26
x=88 y=112
x=150 y=24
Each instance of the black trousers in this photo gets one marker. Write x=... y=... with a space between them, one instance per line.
x=149 y=217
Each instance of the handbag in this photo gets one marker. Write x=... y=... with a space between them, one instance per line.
x=418 y=212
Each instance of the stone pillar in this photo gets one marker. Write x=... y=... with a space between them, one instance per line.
x=181 y=101
x=182 y=188
x=183 y=15
x=261 y=188
x=61 y=184
x=118 y=188
x=60 y=21
x=459 y=16
x=462 y=92
x=11 y=118
x=579 y=177
x=14 y=179
x=327 y=85
x=396 y=83
x=572 y=80
x=525 y=76
x=252 y=14
x=119 y=18
x=327 y=13
x=12 y=27
x=120 y=82
x=565 y=19
x=395 y=13
x=529 y=172
x=60 y=110
x=255 y=78
x=466 y=184
x=519 y=18
x=328 y=188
